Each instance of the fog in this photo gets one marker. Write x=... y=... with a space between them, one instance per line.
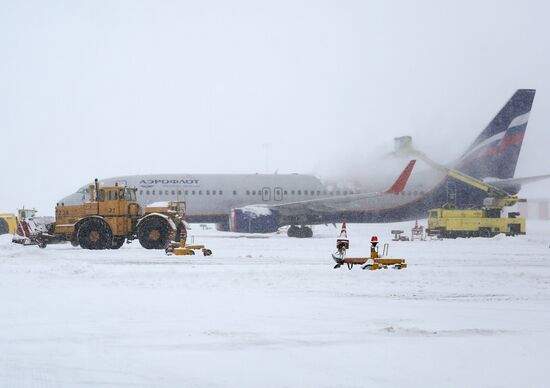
x=106 y=88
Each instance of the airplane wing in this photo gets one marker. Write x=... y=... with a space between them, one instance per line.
x=330 y=204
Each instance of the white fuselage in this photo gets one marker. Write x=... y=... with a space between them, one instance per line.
x=210 y=197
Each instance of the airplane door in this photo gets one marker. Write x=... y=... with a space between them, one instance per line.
x=266 y=194
x=278 y=194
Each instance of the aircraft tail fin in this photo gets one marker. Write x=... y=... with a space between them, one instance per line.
x=400 y=183
x=496 y=150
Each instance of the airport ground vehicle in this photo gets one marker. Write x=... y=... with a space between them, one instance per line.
x=374 y=261
x=452 y=223
x=111 y=217
x=449 y=221
x=8 y=223
x=29 y=226
x=183 y=248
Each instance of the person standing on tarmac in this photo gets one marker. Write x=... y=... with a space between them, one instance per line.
x=374 y=247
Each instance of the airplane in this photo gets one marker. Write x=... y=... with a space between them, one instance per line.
x=263 y=203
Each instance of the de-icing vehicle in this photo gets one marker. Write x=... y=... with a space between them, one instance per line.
x=487 y=221
x=372 y=262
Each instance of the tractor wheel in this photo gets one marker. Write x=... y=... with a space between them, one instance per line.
x=299 y=232
x=4 y=227
x=117 y=242
x=292 y=231
x=302 y=232
x=515 y=229
x=154 y=233
x=95 y=234
x=484 y=232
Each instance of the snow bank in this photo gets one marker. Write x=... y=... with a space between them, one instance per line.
x=272 y=312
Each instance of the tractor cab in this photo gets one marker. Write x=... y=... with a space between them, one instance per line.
x=115 y=200
x=117 y=193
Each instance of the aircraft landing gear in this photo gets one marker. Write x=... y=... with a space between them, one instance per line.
x=299 y=232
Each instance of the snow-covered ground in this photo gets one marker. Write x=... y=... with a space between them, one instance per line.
x=270 y=311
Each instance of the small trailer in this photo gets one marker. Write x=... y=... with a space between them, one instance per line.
x=372 y=262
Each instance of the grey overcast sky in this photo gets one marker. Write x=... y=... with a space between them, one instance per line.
x=106 y=88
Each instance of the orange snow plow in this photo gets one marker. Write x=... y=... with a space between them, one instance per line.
x=374 y=261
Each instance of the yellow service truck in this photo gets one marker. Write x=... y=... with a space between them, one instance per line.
x=8 y=223
x=453 y=223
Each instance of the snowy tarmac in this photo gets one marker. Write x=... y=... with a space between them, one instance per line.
x=270 y=311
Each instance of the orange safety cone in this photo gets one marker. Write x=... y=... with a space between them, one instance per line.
x=342 y=242
x=344 y=231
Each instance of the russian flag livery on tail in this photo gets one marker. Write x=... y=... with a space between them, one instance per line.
x=494 y=154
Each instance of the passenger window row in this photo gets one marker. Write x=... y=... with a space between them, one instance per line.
x=183 y=192
x=248 y=192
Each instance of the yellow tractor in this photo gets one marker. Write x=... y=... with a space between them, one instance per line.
x=111 y=217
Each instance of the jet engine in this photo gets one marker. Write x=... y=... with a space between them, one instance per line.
x=253 y=219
